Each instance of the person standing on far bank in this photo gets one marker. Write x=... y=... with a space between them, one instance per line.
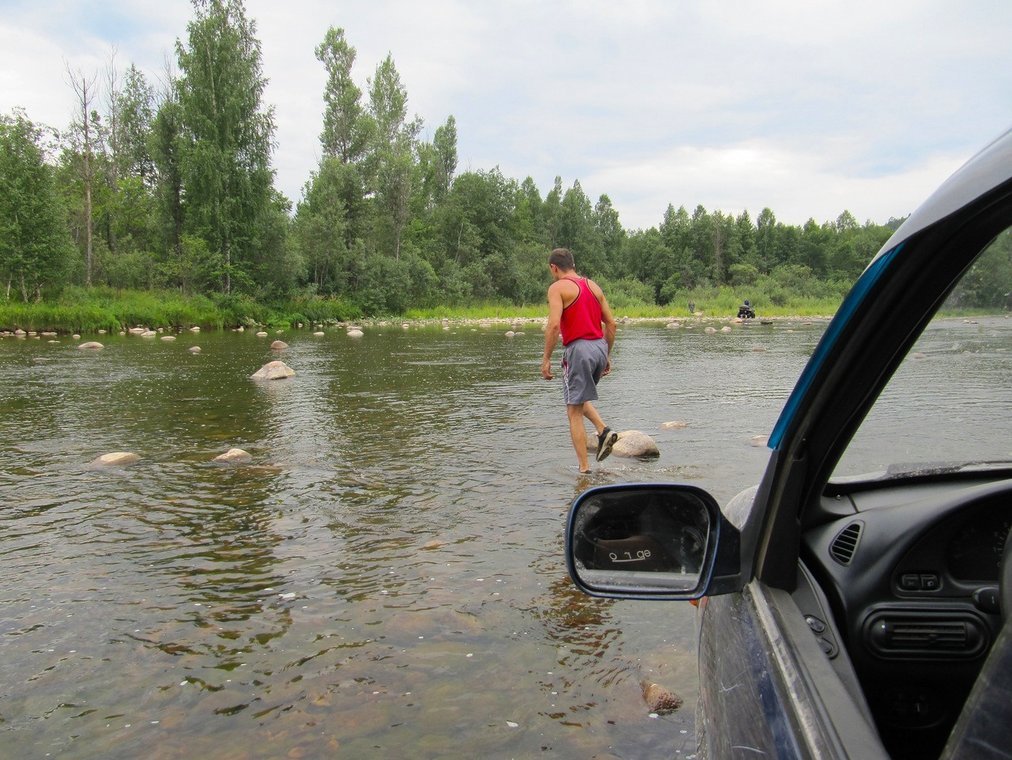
x=579 y=311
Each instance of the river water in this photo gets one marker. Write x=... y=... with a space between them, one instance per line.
x=387 y=575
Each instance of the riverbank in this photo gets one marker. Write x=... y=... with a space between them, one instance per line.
x=80 y=310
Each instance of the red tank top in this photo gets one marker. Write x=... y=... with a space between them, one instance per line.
x=581 y=320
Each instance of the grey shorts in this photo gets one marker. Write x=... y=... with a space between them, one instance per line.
x=583 y=363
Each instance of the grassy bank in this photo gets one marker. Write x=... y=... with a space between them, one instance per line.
x=80 y=310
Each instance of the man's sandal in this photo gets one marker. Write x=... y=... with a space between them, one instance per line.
x=605 y=442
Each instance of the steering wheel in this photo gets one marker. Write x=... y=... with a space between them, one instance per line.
x=1005 y=579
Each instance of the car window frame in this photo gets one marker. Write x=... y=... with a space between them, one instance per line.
x=854 y=362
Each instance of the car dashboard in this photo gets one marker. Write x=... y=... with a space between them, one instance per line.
x=909 y=571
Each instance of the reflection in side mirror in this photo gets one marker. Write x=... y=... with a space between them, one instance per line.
x=646 y=540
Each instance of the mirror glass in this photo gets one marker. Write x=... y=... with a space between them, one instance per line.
x=641 y=539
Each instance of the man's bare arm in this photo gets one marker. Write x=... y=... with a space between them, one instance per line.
x=551 y=329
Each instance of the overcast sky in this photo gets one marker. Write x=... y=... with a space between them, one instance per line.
x=809 y=108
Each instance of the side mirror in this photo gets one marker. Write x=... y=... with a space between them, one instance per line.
x=648 y=540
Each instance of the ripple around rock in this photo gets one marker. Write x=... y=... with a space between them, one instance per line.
x=276 y=370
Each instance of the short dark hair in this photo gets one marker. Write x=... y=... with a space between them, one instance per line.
x=562 y=258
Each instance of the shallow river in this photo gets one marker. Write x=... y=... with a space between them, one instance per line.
x=387 y=577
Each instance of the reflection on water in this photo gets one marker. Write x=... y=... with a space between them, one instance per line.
x=387 y=576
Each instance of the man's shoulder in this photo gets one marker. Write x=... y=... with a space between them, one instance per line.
x=563 y=284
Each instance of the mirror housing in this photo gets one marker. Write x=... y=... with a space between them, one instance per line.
x=648 y=541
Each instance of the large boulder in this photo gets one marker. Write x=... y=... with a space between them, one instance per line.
x=276 y=370
x=634 y=443
x=630 y=443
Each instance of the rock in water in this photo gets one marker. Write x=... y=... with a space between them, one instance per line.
x=674 y=425
x=659 y=699
x=279 y=345
x=634 y=443
x=91 y=344
x=276 y=370
x=115 y=459
x=234 y=456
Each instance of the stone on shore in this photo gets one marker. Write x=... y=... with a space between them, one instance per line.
x=115 y=459
x=91 y=345
x=276 y=370
x=234 y=456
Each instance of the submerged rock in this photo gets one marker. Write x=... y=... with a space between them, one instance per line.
x=115 y=459
x=659 y=699
x=276 y=370
x=674 y=425
x=91 y=345
x=234 y=456
x=194 y=349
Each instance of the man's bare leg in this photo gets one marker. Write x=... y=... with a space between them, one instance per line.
x=578 y=432
x=595 y=419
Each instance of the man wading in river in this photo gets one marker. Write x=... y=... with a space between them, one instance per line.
x=577 y=307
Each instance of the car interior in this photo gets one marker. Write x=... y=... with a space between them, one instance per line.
x=900 y=573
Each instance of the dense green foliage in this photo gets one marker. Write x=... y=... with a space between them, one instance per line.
x=172 y=192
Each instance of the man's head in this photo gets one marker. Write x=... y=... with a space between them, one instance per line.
x=560 y=261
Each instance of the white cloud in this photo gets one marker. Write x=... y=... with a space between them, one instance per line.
x=808 y=108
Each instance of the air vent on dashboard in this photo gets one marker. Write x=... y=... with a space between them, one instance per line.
x=845 y=544
x=906 y=634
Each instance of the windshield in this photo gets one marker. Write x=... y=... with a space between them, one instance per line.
x=950 y=401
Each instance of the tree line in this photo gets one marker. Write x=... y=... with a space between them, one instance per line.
x=169 y=185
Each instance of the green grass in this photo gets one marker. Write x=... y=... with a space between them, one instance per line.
x=81 y=310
